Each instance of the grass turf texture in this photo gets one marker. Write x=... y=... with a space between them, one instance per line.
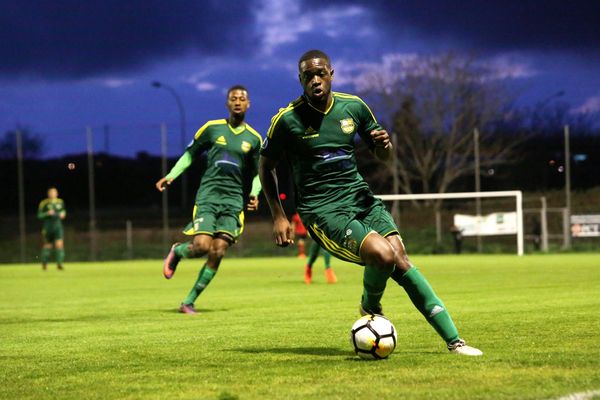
x=110 y=330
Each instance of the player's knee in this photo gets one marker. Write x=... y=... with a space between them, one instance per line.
x=199 y=248
x=384 y=258
x=216 y=252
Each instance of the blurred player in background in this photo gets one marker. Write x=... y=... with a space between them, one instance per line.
x=52 y=211
x=316 y=134
x=218 y=216
x=313 y=252
x=299 y=234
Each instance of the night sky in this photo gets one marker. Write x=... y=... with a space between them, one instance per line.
x=65 y=65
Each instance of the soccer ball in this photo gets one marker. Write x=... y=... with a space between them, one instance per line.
x=373 y=337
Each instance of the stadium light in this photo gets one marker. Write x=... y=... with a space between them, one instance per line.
x=159 y=85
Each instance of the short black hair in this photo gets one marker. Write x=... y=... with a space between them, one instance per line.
x=236 y=87
x=311 y=54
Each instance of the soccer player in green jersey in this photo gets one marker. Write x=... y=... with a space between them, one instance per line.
x=316 y=133
x=52 y=211
x=218 y=218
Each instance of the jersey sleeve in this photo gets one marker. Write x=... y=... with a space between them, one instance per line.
x=367 y=122
x=41 y=213
x=201 y=140
x=273 y=145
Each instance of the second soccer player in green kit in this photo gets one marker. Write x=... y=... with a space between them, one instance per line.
x=316 y=134
x=218 y=216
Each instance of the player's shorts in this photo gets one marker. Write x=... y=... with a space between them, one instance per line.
x=342 y=231
x=212 y=219
x=50 y=235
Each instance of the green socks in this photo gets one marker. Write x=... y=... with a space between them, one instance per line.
x=60 y=256
x=374 y=280
x=183 y=250
x=327 y=258
x=204 y=277
x=45 y=257
x=313 y=253
x=426 y=301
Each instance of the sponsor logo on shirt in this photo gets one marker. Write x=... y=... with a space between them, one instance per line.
x=221 y=140
x=310 y=133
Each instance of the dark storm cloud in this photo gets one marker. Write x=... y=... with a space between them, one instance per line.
x=75 y=38
x=562 y=25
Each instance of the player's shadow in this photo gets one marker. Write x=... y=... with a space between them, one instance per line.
x=305 y=351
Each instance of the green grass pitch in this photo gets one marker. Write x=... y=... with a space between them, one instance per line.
x=110 y=330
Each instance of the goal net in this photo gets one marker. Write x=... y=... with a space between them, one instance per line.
x=476 y=219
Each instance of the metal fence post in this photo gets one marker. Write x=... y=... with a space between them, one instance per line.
x=165 y=198
x=91 y=194
x=21 y=184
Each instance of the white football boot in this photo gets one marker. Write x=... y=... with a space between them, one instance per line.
x=460 y=347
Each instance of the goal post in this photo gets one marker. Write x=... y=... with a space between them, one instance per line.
x=517 y=194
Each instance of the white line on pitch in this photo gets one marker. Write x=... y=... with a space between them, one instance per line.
x=590 y=394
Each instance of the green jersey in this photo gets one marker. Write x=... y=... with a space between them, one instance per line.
x=50 y=211
x=232 y=157
x=320 y=149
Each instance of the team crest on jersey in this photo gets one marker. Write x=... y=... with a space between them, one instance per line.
x=246 y=146
x=347 y=125
x=221 y=140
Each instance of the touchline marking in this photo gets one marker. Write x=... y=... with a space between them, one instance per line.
x=590 y=394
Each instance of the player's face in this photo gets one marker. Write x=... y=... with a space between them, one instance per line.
x=52 y=193
x=238 y=102
x=315 y=77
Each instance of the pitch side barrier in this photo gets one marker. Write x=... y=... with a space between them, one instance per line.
x=517 y=194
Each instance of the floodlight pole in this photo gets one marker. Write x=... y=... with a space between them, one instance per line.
x=567 y=244
x=21 y=184
x=182 y=123
x=477 y=183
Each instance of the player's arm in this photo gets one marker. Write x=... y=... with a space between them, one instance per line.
x=42 y=213
x=383 y=146
x=377 y=138
x=200 y=142
x=63 y=212
x=282 y=230
x=180 y=166
x=256 y=186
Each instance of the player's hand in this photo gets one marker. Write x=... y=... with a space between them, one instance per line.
x=252 y=204
x=282 y=232
x=62 y=215
x=163 y=183
x=380 y=138
x=51 y=212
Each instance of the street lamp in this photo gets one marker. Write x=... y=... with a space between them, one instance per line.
x=159 y=85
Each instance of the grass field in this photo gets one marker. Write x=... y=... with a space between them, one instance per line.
x=110 y=330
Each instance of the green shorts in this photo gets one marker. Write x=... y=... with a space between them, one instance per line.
x=211 y=219
x=51 y=235
x=342 y=231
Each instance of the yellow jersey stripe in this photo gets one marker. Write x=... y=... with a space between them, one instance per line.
x=255 y=133
x=351 y=96
x=207 y=124
x=328 y=246
x=334 y=247
x=328 y=108
x=281 y=112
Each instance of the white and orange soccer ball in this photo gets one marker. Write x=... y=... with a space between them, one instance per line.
x=373 y=337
